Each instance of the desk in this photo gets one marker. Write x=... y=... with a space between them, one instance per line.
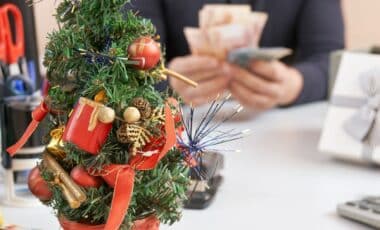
x=278 y=181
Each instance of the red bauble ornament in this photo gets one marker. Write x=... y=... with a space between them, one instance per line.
x=38 y=186
x=84 y=179
x=146 y=52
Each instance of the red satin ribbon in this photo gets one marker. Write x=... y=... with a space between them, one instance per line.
x=148 y=163
x=123 y=189
x=121 y=177
x=37 y=116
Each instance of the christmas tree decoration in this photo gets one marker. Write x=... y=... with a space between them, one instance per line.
x=131 y=115
x=85 y=129
x=146 y=52
x=56 y=145
x=135 y=135
x=84 y=179
x=143 y=106
x=101 y=97
x=205 y=136
x=38 y=186
x=37 y=116
x=179 y=77
x=106 y=115
x=116 y=159
x=158 y=115
x=73 y=194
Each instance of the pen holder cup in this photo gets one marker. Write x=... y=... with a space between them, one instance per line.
x=15 y=116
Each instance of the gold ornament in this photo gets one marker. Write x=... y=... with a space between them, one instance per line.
x=106 y=115
x=143 y=106
x=101 y=97
x=56 y=144
x=133 y=134
x=158 y=115
x=132 y=115
x=73 y=194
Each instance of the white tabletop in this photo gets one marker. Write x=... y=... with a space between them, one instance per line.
x=278 y=181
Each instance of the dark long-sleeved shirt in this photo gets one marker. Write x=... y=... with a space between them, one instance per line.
x=312 y=28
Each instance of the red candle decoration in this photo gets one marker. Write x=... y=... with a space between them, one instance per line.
x=84 y=179
x=146 y=52
x=85 y=129
x=38 y=186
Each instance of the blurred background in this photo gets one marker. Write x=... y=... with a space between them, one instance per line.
x=313 y=183
x=360 y=18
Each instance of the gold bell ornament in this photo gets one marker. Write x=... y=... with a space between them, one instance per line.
x=56 y=144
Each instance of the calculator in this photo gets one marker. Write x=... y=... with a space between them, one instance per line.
x=365 y=211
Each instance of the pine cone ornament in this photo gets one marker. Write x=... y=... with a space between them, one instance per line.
x=143 y=106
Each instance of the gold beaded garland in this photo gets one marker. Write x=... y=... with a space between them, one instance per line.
x=133 y=134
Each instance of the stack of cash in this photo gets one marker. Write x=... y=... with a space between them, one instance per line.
x=225 y=27
x=232 y=33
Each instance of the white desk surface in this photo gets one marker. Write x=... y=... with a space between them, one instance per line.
x=278 y=181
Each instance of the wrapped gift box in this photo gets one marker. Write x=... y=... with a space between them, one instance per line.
x=352 y=125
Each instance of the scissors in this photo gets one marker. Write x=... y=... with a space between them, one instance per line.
x=13 y=75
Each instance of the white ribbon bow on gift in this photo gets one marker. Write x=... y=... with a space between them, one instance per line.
x=363 y=125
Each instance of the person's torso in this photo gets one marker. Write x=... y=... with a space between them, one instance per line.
x=280 y=30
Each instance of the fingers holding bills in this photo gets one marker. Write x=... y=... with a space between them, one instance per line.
x=225 y=28
x=231 y=33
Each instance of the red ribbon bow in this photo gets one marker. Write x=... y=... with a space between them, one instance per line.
x=121 y=177
x=37 y=116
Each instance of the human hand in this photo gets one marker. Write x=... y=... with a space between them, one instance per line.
x=265 y=85
x=208 y=72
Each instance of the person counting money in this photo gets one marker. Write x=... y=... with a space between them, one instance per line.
x=198 y=37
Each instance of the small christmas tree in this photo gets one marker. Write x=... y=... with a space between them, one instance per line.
x=111 y=160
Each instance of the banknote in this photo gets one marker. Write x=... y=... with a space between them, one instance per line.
x=220 y=14
x=243 y=56
x=223 y=28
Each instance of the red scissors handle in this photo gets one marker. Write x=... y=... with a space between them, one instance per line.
x=15 y=49
x=3 y=48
